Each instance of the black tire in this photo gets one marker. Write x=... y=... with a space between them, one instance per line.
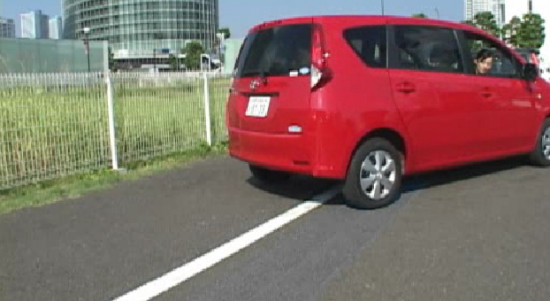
x=353 y=194
x=537 y=155
x=267 y=175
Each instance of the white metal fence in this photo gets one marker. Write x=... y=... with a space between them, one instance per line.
x=55 y=125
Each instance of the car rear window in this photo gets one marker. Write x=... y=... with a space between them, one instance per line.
x=369 y=43
x=278 y=51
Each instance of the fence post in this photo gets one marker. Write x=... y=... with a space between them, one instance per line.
x=111 y=112
x=207 y=110
x=106 y=55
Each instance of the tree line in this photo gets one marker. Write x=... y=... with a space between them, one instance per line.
x=192 y=50
x=526 y=31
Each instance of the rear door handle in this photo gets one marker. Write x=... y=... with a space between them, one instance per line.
x=487 y=93
x=406 y=87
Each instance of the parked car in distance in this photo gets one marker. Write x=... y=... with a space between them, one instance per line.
x=370 y=99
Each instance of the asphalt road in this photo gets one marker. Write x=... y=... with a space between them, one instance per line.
x=475 y=233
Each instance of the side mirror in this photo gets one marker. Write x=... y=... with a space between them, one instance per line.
x=530 y=72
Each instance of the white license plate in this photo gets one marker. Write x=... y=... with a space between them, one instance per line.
x=258 y=106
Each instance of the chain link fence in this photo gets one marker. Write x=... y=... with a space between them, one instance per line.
x=55 y=125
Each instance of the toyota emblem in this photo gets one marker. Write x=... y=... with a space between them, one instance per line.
x=254 y=84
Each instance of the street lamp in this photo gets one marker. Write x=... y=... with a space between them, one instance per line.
x=154 y=60
x=221 y=38
x=86 y=31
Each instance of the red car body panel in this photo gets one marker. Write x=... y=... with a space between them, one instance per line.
x=447 y=120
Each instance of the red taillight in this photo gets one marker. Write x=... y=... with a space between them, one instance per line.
x=318 y=47
x=232 y=86
x=319 y=55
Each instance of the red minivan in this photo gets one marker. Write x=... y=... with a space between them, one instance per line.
x=369 y=99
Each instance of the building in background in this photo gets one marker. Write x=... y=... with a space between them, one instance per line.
x=497 y=7
x=517 y=8
x=34 y=25
x=7 y=28
x=55 y=28
x=143 y=32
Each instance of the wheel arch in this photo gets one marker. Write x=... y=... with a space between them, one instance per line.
x=391 y=135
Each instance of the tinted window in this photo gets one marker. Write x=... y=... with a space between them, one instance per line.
x=504 y=64
x=427 y=48
x=276 y=51
x=369 y=43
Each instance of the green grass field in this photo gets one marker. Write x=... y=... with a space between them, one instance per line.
x=52 y=132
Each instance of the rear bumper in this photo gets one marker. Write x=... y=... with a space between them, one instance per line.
x=286 y=152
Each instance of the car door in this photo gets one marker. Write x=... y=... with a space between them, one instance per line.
x=433 y=95
x=507 y=100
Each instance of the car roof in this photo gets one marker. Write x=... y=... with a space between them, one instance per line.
x=327 y=19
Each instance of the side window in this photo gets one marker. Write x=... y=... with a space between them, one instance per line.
x=427 y=48
x=369 y=43
x=489 y=58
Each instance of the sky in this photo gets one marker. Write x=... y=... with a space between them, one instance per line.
x=240 y=15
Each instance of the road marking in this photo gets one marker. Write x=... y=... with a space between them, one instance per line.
x=179 y=275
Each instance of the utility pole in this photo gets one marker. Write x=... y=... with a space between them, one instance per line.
x=87 y=45
x=382 y=4
x=437 y=12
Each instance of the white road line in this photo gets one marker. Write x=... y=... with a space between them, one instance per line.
x=179 y=275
